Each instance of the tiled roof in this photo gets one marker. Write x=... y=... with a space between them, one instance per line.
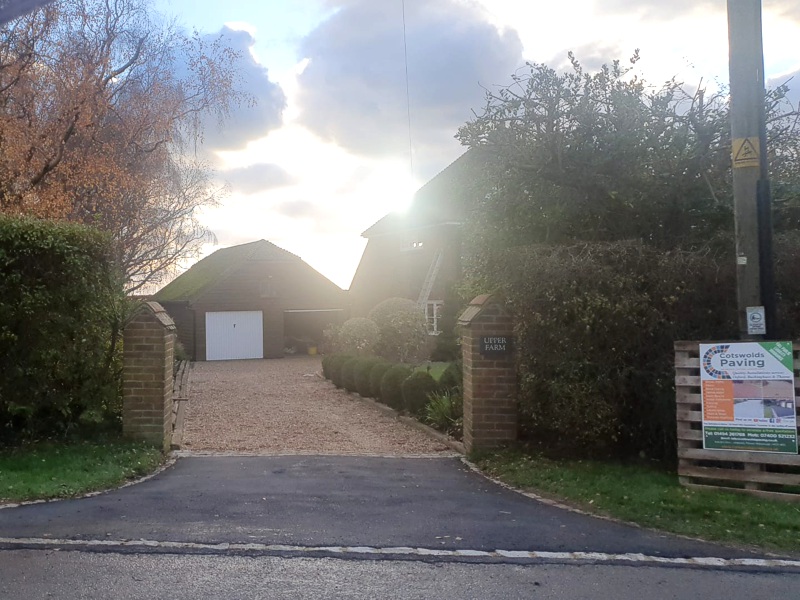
x=204 y=273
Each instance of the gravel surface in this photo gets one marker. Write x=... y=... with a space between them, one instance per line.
x=284 y=406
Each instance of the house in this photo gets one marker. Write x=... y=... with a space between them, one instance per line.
x=251 y=301
x=417 y=254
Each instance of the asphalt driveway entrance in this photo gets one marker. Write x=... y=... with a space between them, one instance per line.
x=284 y=406
x=302 y=504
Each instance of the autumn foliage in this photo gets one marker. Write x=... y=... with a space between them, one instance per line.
x=100 y=112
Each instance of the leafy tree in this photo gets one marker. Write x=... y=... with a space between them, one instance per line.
x=604 y=156
x=100 y=104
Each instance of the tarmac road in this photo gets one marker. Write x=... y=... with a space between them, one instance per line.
x=348 y=527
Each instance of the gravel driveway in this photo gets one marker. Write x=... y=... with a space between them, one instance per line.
x=284 y=406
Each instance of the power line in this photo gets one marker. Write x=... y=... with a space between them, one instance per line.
x=408 y=94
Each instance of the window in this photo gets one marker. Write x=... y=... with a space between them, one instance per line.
x=416 y=245
x=433 y=310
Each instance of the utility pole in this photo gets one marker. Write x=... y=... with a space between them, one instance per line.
x=752 y=206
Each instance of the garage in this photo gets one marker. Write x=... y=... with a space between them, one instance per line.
x=233 y=335
x=251 y=301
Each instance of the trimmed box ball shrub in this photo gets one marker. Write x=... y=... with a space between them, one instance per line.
x=348 y=374
x=376 y=374
x=391 y=390
x=335 y=368
x=326 y=366
x=361 y=374
x=452 y=378
x=358 y=336
x=415 y=392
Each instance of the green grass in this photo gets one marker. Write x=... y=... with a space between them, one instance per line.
x=652 y=498
x=434 y=369
x=52 y=470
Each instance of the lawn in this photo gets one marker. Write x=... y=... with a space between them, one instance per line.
x=53 y=470
x=652 y=498
x=435 y=369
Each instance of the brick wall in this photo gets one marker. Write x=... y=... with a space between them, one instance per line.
x=490 y=407
x=148 y=342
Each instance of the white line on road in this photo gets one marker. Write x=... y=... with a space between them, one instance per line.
x=595 y=557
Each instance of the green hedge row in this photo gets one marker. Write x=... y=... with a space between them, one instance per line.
x=396 y=385
x=58 y=292
x=595 y=330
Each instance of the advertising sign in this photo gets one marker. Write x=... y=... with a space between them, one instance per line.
x=748 y=397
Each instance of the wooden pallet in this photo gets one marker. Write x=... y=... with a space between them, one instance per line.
x=765 y=474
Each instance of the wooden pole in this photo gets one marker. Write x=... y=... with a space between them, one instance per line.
x=749 y=162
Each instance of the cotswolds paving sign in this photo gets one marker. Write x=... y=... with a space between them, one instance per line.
x=498 y=345
x=748 y=397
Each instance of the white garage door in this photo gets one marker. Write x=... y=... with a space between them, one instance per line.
x=234 y=335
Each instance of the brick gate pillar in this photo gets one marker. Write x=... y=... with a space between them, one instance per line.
x=148 y=342
x=490 y=407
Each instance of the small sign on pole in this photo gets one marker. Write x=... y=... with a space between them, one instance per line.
x=756 y=321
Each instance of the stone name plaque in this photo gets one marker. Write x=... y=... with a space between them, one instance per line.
x=496 y=345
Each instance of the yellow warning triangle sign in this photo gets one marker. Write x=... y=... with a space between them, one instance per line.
x=745 y=152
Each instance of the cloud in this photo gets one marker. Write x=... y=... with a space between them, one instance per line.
x=246 y=121
x=658 y=9
x=676 y=9
x=353 y=89
x=786 y=8
x=591 y=56
x=792 y=80
x=299 y=209
x=257 y=178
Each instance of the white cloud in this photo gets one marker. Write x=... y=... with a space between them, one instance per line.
x=247 y=120
x=352 y=90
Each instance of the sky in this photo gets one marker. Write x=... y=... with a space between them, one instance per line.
x=326 y=150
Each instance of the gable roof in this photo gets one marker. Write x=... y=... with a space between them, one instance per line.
x=203 y=274
x=441 y=200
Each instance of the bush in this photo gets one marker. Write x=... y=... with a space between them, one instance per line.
x=391 y=386
x=362 y=375
x=357 y=336
x=415 y=390
x=61 y=312
x=335 y=365
x=402 y=326
x=452 y=378
x=376 y=374
x=445 y=412
x=348 y=374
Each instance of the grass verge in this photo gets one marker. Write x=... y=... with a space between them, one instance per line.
x=52 y=470
x=651 y=498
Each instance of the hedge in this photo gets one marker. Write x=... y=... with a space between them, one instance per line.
x=59 y=302
x=596 y=326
